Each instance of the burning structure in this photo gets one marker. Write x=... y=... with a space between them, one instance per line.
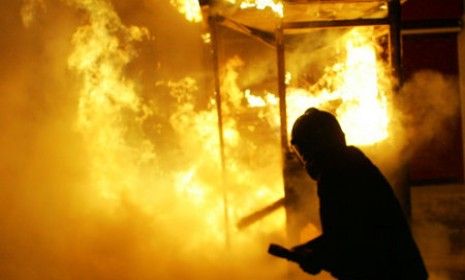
x=352 y=71
x=132 y=150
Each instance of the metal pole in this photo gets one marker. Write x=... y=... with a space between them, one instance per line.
x=214 y=41
x=401 y=185
x=289 y=193
x=282 y=87
x=394 y=9
x=335 y=23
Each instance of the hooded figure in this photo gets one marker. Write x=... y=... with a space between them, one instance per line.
x=365 y=233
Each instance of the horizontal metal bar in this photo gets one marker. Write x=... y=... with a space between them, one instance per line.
x=260 y=35
x=335 y=23
x=439 y=30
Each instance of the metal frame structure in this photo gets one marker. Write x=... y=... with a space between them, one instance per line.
x=276 y=39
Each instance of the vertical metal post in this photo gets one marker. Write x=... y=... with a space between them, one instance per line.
x=461 y=48
x=282 y=87
x=285 y=152
x=214 y=41
x=401 y=185
x=394 y=10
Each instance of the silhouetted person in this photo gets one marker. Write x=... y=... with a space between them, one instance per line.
x=365 y=234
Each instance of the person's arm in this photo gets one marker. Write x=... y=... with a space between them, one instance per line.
x=310 y=255
x=314 y=244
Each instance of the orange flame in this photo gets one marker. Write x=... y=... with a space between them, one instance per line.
x=100 y=57
x=192 y=11
x=360 y=83
x=110 y=108
x=356 y=89
x=125 y=169
x=275 y=6
x=189 y=8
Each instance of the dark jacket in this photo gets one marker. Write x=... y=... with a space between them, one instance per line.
x=365 y=233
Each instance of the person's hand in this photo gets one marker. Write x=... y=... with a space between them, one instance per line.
x=306 y=259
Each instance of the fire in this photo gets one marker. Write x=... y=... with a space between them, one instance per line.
x=353 y=84
x=359 y=83
x=99 y=57
x=193 y=13
x=122 y=163
x=245 y=149
x=275 y=6
x=123 y=160
x=181 y=187
x=356 y=89
x=189 y=8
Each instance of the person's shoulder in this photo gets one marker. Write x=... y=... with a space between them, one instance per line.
x=355 y=154
x=358 y=160
x=362 y=164
x=354 y=150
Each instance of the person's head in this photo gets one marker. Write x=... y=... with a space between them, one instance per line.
x=315 y=135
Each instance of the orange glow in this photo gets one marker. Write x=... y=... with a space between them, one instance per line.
x=239 y=149
x=189 y=8
x=109 y=106
x=361 y=85
x=275 y=6
x=113 y=163
x=100 y=58
x=356 y=89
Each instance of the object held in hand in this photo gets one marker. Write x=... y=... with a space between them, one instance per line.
x=282 y=252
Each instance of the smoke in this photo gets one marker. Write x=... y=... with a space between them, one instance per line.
x=29 y=11
x=426 y=102
x=426 y=105
x=99 y=185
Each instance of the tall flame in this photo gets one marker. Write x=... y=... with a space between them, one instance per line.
x=356 y=89
x=111 y=115
x=123 y=159
x=145 y=196
x=360 y=84
x=102 y=50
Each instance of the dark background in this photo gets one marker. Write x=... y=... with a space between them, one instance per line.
x=440 y=160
